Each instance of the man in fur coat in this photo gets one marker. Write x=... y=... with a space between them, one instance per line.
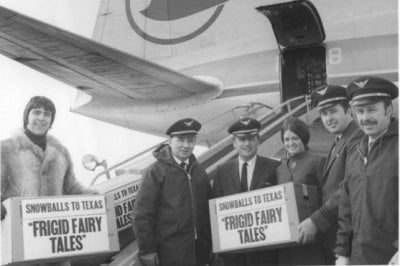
x=34 y=163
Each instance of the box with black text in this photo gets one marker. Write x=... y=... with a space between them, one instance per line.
x=58 y=228
x=123 y=190
x=261 y=219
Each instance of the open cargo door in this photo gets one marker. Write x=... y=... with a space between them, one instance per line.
x=300 y=34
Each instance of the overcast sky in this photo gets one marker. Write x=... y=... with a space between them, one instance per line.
x=81 y=135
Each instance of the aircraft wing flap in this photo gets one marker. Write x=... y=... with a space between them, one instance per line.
x=99 y=70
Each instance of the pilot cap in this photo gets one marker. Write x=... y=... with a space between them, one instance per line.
x=368 y=90
x=327 y=96
x=245 y=127
x=186 y=126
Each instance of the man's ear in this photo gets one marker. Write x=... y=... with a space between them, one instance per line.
x=234 y=141
x=389 y=110
x=348 y=110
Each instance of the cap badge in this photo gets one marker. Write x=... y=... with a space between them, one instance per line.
x=245 y=122
x=361 y=84
x=188 y=123
x=322 y=92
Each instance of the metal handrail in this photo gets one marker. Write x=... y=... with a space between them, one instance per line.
x=228 y=139
x=125 y=161
x=108 y=170
x=252 y=108
x=217 y=146
x=224 y=159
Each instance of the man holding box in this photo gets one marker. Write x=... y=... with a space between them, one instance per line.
x=171 y=217
x=33 y=163
x=247 y=172
x=335 y=112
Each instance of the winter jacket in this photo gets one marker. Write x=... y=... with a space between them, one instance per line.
x=331 y=179
x=28 y=171
x=368 y=209
x=171 y=211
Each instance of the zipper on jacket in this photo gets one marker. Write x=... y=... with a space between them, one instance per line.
x=193 y=213
x=189 y=178
x=364 y=158
x=191 y=197
x=364 y=179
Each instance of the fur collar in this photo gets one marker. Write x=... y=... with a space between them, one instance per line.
x=21 y=142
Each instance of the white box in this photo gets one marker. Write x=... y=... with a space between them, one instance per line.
x=123 y=189
x=58 y=228
x=263 y=218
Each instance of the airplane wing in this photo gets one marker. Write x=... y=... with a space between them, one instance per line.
x=115 y=81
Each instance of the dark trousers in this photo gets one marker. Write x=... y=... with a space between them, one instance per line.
x=259 y=258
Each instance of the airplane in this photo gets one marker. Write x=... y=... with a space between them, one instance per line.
x=153 y=62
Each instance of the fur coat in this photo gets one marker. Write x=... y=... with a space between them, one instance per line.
x=28 y=171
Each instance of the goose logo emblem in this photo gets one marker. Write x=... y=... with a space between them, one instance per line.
x=169 y=11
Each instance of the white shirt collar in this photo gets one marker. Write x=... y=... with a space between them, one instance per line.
x=178 y=161
x=250 y=163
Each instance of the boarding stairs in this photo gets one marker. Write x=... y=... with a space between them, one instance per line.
x=270 y=118
x=271 y=146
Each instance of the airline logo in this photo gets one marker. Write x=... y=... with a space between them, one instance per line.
x=173 y=10
x=188 y=123
x=245 y=122
x=323 y=92
x=361 y=84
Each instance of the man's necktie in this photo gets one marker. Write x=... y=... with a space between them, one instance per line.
x=333 y=149
x=183 y=165
x=243 y=181
x=370 y=144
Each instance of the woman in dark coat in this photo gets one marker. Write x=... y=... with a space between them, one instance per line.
x=302 y=167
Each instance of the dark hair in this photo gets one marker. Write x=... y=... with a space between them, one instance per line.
x=38 y=102
x=345 y=104
x=298 y=127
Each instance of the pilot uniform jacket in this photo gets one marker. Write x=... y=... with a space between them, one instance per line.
x=368 y=209
x=332 y=177
x=28 y=171
x=227 y=182
x=171 y=209
x=303 y=168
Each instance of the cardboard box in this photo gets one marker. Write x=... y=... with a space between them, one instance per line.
x=58 y=228
x=123 y=190
x=261 y=219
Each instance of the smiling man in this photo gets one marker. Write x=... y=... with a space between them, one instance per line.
x=171 y=215
x=333 y=106
x=368 y=209
x=33 y=163
x=246 y=172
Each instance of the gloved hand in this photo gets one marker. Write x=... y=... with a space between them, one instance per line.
x=395 y=259
x=307 y=231
x=342 y=260
x=3 y=211
x=150 y=259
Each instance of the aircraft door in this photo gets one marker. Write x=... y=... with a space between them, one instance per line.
x=300 y=34
x=302 y=70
